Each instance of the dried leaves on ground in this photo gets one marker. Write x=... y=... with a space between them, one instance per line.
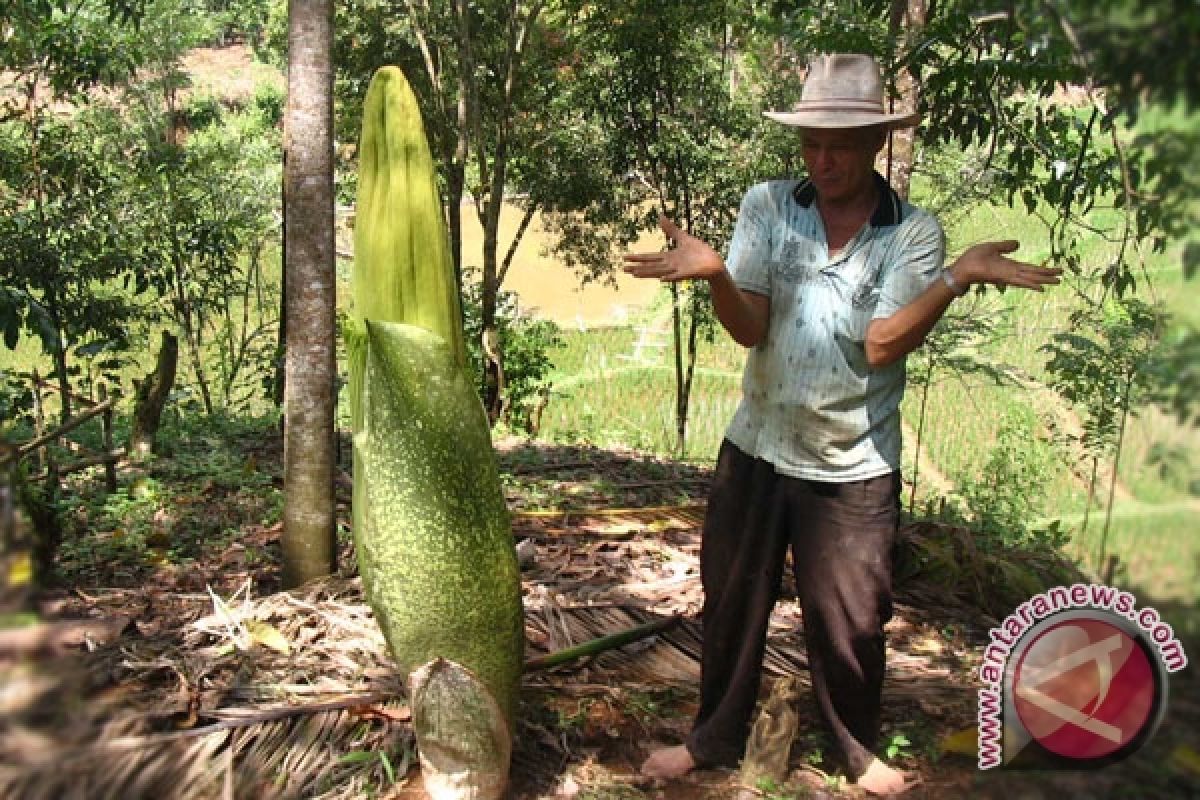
x=203 y=680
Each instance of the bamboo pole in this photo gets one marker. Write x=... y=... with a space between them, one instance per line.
x=601 y=644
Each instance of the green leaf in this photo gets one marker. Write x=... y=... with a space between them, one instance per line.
x=388 y=769
x=356 y=757
x=1191 y=259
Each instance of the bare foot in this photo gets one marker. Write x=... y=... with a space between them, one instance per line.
x=668 y=763
x=880 y=779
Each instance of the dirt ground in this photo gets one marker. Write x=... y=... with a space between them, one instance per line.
x=608 y=540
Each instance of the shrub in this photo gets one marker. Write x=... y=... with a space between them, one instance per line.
x=526 y=345
x=1008 y=494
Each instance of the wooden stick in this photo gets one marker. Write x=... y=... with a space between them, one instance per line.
x=74 y=423
x=111 y=458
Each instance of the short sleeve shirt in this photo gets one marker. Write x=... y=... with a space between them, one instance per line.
x=811 y=405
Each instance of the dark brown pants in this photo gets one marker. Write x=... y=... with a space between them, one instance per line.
x=841 y=537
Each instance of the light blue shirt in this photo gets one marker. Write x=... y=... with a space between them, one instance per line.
x=811 y=405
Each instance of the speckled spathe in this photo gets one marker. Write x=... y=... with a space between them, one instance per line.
x=431 y=528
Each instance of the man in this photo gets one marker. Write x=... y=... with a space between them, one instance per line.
x=831 y=281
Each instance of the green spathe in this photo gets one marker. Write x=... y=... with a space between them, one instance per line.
x=432 y=532
x=403 y=270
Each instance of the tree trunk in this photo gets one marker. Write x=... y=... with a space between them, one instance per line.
x=492 y=347
x=308 y=512
x=189 y=323
x=152 y=397
x=908 y=17
x=680 y=402
x=685 y=399
x=455 y=181
x=15 y=586
x=59 y=357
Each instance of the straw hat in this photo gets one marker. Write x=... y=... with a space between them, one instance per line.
x=842 y=90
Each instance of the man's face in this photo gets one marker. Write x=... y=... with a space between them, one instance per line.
x=841 y=162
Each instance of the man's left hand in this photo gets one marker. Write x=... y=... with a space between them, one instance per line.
x=987 y=263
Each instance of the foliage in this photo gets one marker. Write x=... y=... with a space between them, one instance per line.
x=204 y=241
x=528 y=345
x=1008 y=494
x=85 y=243
x=1103 y=364
x=65 y=236
x=1145 y=51
x=238 y=19
x=212 y=484
x=215 y=174
x=59 y=49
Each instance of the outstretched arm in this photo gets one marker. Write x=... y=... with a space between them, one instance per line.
x=891 y=338
x=744 y=314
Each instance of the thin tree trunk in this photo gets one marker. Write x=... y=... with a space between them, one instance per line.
x=194 y=346
x=309 y=549
x=280 y=380
x=912 y=496
x=455 y=181
x=1112 y=483
x=677 y=335
x=51 y=298
x=151 y=397
x=1091 y=496
x=518 y=31
x=59 y=357
x=685 y=400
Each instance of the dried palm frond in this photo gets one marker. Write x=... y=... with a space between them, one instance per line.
x=248 y=753
x=940 y=565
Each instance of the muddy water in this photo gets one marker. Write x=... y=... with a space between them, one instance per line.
x=547 y=289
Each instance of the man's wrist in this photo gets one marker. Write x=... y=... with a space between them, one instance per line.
x=956 y=285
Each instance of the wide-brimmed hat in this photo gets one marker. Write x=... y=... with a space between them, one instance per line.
x=842 y=90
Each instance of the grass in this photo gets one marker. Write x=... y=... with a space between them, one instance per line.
x=603 y=395
x=1158 y=558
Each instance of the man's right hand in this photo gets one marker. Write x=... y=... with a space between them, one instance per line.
x=743 y=314
x=690 y=258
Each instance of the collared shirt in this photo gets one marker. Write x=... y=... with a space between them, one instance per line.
x=811 y=405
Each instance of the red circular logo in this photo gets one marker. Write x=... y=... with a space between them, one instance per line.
x=1084 y=688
